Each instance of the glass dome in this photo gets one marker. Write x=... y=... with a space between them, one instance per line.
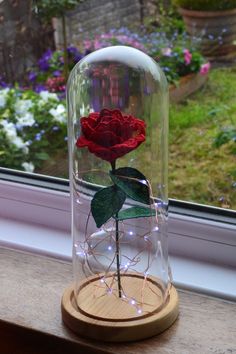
x=118 y=135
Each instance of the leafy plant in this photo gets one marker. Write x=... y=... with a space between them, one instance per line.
x=206 y=5
x=48 y=74
x=32 y=127
x=225 y=136
x=170 y=52
x=47 y=9
x=165 y=17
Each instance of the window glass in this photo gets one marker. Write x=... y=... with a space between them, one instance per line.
x=39 y=45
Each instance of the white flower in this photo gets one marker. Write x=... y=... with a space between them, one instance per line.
x=59 y=113
x=3 y=95
x=18 y=142
x=166 y=51
x=22 y=106
x=28 y=166
x=45 y=95
x=27 y=120
x=12 y=136
x=9 y=129
x=2 y=101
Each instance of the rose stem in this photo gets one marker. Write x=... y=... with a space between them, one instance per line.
x=113 y=166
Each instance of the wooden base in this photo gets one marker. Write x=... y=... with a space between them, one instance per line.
x=100 y=314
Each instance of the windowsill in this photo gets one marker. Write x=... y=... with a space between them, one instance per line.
x=31 y=289
x=32 y=284
x=194 y=275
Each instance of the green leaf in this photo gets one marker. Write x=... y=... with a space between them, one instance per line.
x=136 y=212
x=132 y=182
x=106 y=203
x=42 y=156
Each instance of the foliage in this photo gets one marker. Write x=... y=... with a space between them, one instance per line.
x=165 y=17
x=48 y=74
x=206 y=5
x=46 y=9
x=32 y=127
x=53 y=8
x=177 y=55
x=225 y=136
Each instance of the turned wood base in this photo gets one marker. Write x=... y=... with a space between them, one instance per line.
x=100 y=314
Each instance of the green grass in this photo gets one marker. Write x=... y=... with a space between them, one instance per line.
x=198 y=171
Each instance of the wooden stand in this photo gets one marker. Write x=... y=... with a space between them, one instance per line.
x=100 y=314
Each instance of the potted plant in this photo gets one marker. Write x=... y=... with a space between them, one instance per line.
x=213 y=22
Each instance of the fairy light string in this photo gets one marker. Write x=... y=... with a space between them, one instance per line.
x=97 y=260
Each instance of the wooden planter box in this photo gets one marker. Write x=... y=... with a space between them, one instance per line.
x=187 y=85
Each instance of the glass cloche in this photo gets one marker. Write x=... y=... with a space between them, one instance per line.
x=118 y=148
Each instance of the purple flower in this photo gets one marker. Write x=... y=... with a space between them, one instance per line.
x=32 y=76
x=38 y=137
x=43 y=64
x=56 y=73
x=210 y=36
x=44 y=60
x=39 y=88
x=73 y=51
x=3 y=83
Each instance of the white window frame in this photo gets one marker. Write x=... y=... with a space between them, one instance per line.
x=189 y=236
x=196 y=245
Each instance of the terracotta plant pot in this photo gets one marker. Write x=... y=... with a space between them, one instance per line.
x=217 y=30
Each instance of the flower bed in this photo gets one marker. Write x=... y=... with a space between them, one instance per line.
x=33 y=116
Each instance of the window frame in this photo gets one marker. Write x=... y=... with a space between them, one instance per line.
x=196 y=232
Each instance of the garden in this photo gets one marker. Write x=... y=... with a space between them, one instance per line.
x=202 y=150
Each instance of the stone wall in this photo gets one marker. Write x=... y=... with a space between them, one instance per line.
x=97 y=16
x=22 y=39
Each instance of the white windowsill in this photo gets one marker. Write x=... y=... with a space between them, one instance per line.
x=199 y=276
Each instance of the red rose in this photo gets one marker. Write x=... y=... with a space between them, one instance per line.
x=110 y=134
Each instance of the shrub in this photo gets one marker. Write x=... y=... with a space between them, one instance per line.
x=206 y=5
x=48 y=74
x=32 y=126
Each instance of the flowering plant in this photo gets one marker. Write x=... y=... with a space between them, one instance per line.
x=177 y=62
x=115 y=37
x=48 y=74
x=177 y=55
x=32 y=126
x=109 y=135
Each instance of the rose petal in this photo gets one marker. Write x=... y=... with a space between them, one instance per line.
x=113 y=125
x=87 y=130
x=82 y=142
x=105 y=138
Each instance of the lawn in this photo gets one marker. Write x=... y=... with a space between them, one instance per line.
x=199 y=171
